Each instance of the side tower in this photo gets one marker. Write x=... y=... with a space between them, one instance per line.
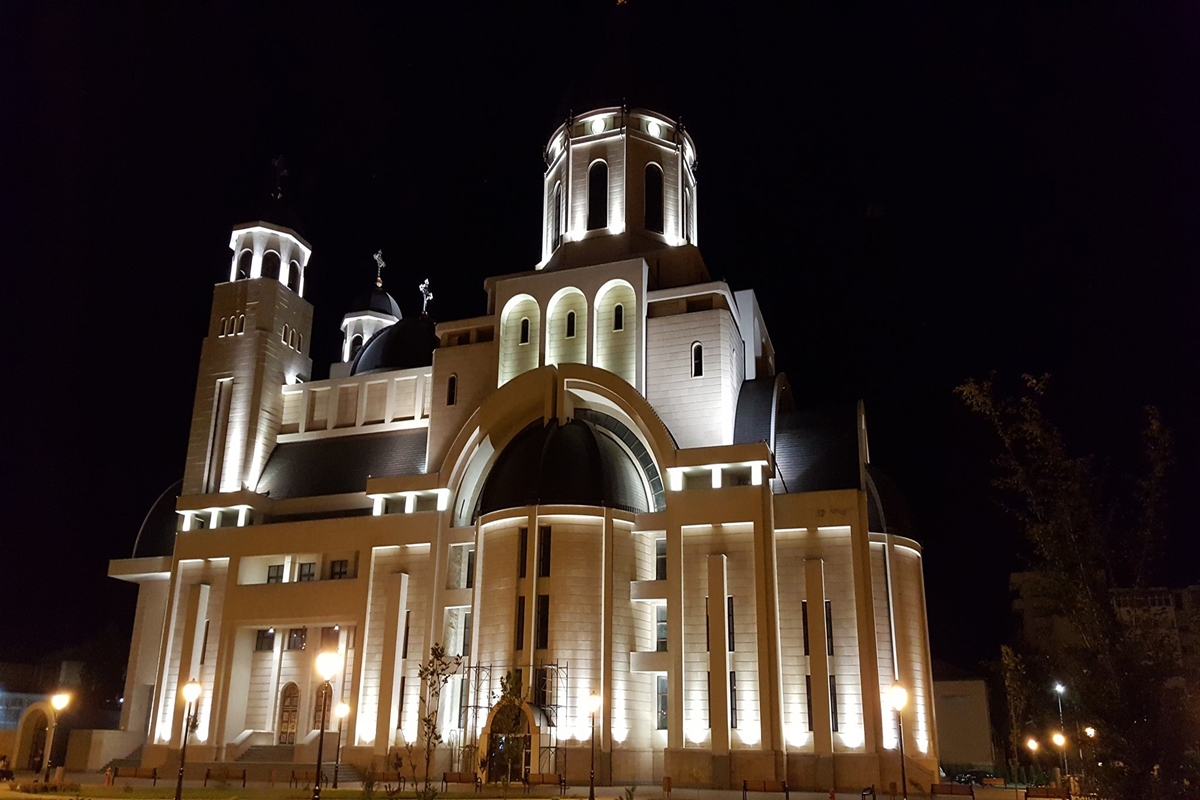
x=258 y=340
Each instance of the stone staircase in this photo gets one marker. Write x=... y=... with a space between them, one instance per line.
x=131 y=761
x=269 y=754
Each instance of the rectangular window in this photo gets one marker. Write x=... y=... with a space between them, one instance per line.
x=519 y=641
x=330 y=638
x=543 y=622
x=307 y=572
x=707 y=631
x=733 y=699
x=729 y=614
x=804 y=623
x=407 y=628
x=828 y=628
x=543 y=564
x=660 y=627
x=661 y=707
x=833 y=715
x=808 y=699
x=204 y=642
x=523 y=553
x=275 y=573
x=339 y=569
x=471 y=568
x=466 y=640
x=464 y=686
x=297 y=638
x=541 y=686
x=265 y=640
x=660 y=559
x=400 y=710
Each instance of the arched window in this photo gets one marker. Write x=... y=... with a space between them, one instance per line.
x=245 y=262
x=300 y=342
x=356 y=343
x=597 y=196
x=270 y=265
x=241 y=326
x=452 y=390
x=525 y=330
x=556 y=235
x=618 y=317
x=654 y=198
x=697 y=360
x=570 y=324
x=283 y=336
x=224 y=322
x=293 y=281
x=292 y=338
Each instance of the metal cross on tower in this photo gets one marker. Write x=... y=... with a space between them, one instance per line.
x=379 y=265
x=426 y=294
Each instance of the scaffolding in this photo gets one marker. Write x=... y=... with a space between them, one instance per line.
x=551 y=693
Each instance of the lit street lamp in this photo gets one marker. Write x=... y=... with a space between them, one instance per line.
x=341 y=712
x=1059 y=689
x=191 y=693
x=898 y=696
x=327 y=667
x=593 y=707
x=58 y=702
x=1089 y=732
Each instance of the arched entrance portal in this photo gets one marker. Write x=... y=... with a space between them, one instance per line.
x=32 y=732
x=289 y=714
x=509 y=744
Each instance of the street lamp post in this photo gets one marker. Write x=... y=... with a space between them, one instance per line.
x=191 y=693
x=58 y=702
x=899 y=699
x=342 y=710
x=327 y=667
x=593 y=707
x=1059 y=689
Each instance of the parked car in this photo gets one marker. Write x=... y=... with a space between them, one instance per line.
x=973 y=777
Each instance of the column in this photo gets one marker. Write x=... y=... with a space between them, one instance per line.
x=718 y=669
x=189 y=655
x=387 y=716
x=818 y=660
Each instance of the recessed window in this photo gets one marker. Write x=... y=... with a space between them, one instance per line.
x=618 y=317
x=275 y=573
x=245 y=262
x=808 y=699
x=224 y=322
x=241 y=325
x=542 y=629
x=660 y=559
x=556 y=234
x=570 y=324
x=654 y=198
x=597 y=217
x=541 y=686
x=829 y=627
x=264 y=640
x=470 y=576
x=524 y=330
x=452 y=390
x=661 y=704
x=544 y=539
x=339 y=569
x=729 y=617
x=687 y=215
x=297 y=638
x=283 y=336
x=697 y=360
x=833 y=709
x=293 y=281
x=523 y=552
x=407 y=629
x=804 y=623
x=331 y=638
x=733 y=699
x=270 y=265
x=519 y=627
x=307 y=572
x=660 y=628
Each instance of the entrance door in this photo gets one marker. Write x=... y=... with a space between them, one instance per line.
x=37 y=743
x=289 y=714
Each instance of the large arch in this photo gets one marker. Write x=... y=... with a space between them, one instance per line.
x=519 y=353
x=535 y=721
x=615 y=329
x=33 y=737
x=564 y=345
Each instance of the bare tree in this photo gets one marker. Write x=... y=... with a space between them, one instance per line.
x=434 y=674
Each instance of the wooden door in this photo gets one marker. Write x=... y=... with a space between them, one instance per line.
x=289 y=714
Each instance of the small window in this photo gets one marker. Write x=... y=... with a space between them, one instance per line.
x=524 y=330
x=245 y=262
x=556 y=234
x=307 y=572
x=828 y=627
x=661 y=705
x=407 y=629
x=660 y=559
x=729 y=617
x=733 y=699
x=470 y=577
x=808 y=700
x=204 y=642
x=224 y=322
x=654 y=198
x=618 y=317
x=543 y=564
x=292 y=338
x=519 y=628
x=241 y=325
x=283 y=336
x=543 y=622
x=466 y=637
x=452 y=390
x=330 y=638
x=297 y=638
x=300 y=341
x=597 y=196
x=541 y=686
x=523 y=552
x=270 y=265
x=339 y=569
x=833 y=709
x=275 y=573
x=570 y=324
x=660 y=627
x=697 y=360
x=264 y=641
x=293 y=281
x=804 y=623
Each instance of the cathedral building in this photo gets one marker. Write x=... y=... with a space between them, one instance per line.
x=601 y=486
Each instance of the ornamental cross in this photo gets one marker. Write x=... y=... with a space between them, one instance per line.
x=426 y=294
x=379 y=265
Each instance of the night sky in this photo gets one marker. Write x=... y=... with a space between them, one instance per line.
x=918 y=195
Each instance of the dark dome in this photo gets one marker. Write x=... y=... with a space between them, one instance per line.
x=156 y=537
x=407 y=344
x=887 y=508
x=573 y=464
x=379 y=301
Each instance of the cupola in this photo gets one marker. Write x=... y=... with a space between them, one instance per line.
x=265 y=250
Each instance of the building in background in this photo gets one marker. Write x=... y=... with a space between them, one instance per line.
x=600 y=485
x=965 y=740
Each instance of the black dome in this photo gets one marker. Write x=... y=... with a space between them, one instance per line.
x=156 y=537
x=379 y=301
x=573 y=464
x=407 y=344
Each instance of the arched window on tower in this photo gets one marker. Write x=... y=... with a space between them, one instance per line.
x=556 y=236
x=245 y=262
x=292 y=338
x=618 y=317
x=687 y=215
x=597 y=196
x=356 y=343
x=570 y=324
x=654 y=198
x=224 y=322
x=697 y=360
x=525 y=330
x=293 y=281
x=283 y=336
x=241 y=324
x=270 y=265
x=452 y=390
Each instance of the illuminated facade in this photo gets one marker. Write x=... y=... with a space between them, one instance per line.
x=602 y=484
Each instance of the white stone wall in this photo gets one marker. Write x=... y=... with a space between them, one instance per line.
x=559 y=348
x=911 y=638
x=617 y=350
x=515 y=357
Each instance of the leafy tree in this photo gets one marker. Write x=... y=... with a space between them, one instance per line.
x=1016 y=701
x=434 y=674
x=1094 y=535
x=508 y=723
